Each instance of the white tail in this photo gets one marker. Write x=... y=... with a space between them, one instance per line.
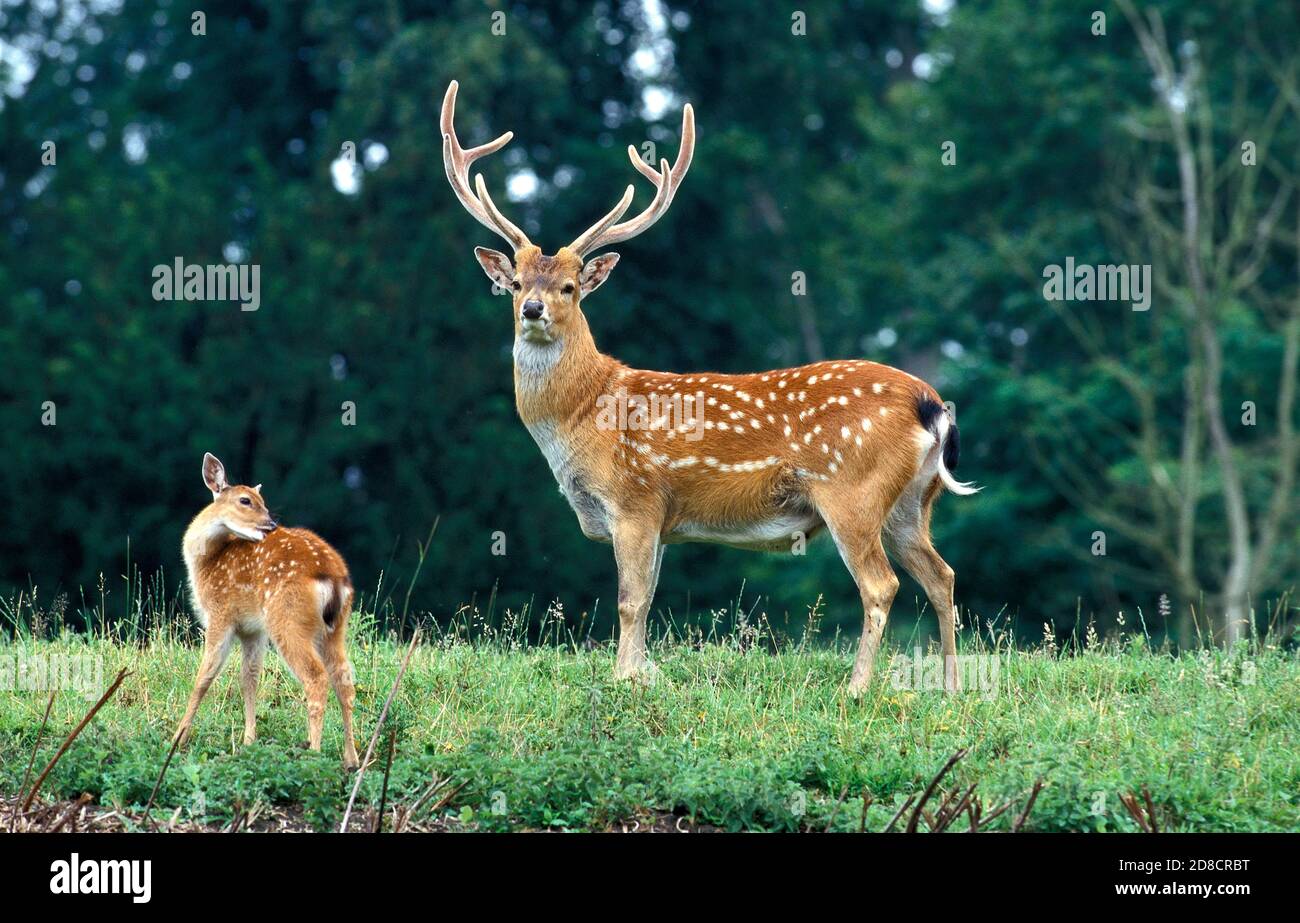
x=947 y=438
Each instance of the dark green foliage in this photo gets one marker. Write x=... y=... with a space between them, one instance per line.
x=815 y=156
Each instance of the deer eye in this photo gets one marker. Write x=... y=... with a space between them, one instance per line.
x=515 y=285
x=245 y=501
x=568 y=288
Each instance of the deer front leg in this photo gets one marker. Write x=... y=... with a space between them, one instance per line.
x=637 y=553
x=216 y=647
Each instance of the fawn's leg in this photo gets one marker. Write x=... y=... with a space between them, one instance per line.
x=341 y=678
x=854 y=519
x=216 y=648
x=297 y=645
x=636 y=553
x=253 y=655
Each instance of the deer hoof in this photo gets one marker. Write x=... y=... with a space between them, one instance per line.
x=644 y=673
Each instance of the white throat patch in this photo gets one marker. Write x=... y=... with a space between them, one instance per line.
x=536 y=361
x=251 y=534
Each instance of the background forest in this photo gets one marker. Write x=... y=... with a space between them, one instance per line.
x=920 y=164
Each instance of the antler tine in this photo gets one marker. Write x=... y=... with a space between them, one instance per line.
x=666 y=182
x=644 y=168
x=587 y=241
x=499 y=221
x=457 y=160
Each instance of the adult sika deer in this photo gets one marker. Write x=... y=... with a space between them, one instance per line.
x=253 y=580
x=647 y=459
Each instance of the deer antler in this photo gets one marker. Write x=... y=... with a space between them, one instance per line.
x=666 y=181
x=458 y=160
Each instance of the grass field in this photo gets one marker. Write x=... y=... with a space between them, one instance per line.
x=740 y=732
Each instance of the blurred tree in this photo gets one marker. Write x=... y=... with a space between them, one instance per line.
x=302 y=138
x=1076 y=409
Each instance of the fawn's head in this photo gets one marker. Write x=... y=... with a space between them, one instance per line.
x=546 y=290
x=239 y=508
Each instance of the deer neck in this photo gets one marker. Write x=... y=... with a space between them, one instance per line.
x=557 y=383
x=206 y=536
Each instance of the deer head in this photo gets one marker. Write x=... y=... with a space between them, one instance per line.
x=546 y=290
x=239 y=510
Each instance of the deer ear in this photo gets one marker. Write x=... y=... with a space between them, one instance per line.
x=214 y=474
x=596 y=271
x=497 y=266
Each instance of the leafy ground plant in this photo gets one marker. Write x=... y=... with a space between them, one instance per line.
x=740 y=732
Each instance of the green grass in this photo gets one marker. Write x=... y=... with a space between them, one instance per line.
x=739 y=731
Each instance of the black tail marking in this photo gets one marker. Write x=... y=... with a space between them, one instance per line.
x=952 y=449
x=929 y=411
x=330 y=612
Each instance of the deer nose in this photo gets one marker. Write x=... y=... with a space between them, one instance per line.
x=532 y=309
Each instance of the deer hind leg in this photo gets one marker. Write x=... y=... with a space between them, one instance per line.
x=853 y=520
x=253 y=655
x=216 y=648
x=907 y=532
x=637 y=553
x=297 y=645
x=341 y=677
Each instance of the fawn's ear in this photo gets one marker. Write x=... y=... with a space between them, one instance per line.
x=596 y=271
x=214 y=474
x=497 y=266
